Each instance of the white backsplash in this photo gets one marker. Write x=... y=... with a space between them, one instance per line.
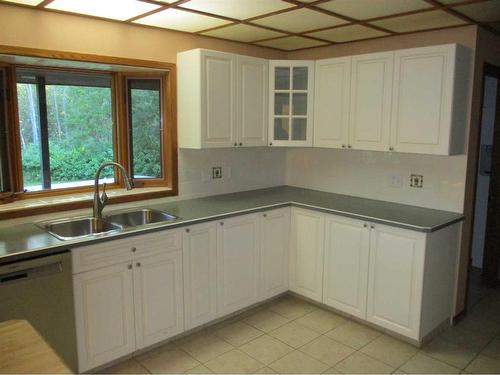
x=369 y=174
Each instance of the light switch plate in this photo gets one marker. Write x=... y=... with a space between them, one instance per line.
x=417 y=180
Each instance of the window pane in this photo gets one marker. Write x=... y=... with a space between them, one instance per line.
x=282 y=78
x=145 y=117
x=281 y=129
x=300 y=78
x=79 y=128
x=299 y=128
x=281 y=104
x=300 y=104
x=4 y=168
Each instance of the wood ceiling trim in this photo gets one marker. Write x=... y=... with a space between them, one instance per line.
x=44 y=3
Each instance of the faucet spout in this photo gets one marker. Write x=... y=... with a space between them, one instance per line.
x=100 y=201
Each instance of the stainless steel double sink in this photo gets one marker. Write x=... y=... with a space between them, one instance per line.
x=80 y=227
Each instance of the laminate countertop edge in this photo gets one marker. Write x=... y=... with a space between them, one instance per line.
x=26 y=241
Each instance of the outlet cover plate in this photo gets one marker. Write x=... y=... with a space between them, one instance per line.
x=417 y=180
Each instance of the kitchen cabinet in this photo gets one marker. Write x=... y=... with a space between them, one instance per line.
x=331 y=102
x=370 y=104
x=306 y=253
x=221 y=100
x=274 y=248
x=104 y=315
x=200 y=274
x=131 y=304
x=158 y=298
x=238 y=247
x=346 y=265
x=291 y=88
x=430 y=91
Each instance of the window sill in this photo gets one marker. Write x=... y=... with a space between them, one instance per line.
x=35 y=206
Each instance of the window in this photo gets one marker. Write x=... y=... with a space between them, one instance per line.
x=66 y=128
x=60 y=119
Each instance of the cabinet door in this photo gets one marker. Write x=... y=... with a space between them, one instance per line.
x=252 y=101
x=291 y=87
x=331 y=102
x=306 y=253
x=370 y=109
x=199 y=248
x=218 y=79
x=346 y=265
x=104 y=309
x=422 y=103
x=275 y=233
x=237 y=263
x=158 y=297
x=395 y=279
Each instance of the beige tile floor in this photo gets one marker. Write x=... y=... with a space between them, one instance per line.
x=290 y=335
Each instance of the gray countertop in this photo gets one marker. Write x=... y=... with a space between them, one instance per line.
x=28 y=240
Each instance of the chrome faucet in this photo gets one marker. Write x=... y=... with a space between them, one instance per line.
x=100 y=201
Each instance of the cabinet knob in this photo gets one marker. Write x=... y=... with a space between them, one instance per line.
x=265 y=215
x=365 y=225
x=343 y=146
x=236 y=144
x=391 y=148
x=372 y=226
x=134 y=249
x=349 y=146
x=241 y=143
x=221 y=223
x=138 y=264
x=271 y=143
x=187 y=230
x=129 y=266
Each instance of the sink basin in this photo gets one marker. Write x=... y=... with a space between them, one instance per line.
x=140 y=217
x=73 y=228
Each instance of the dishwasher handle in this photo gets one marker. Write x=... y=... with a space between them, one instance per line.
x=31 y=273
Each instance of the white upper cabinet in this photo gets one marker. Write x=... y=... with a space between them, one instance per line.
x=370 y=108
x=291 y=88
x=252 y=88
x=346 y=264
x=429 y=100
x=222 y=100
x=331 y=102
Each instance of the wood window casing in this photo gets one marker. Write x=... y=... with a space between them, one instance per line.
x=169 y=178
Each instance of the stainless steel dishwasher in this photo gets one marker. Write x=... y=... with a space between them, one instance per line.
x=40 y=291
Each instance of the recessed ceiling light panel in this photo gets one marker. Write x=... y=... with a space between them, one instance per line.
x=113 y=9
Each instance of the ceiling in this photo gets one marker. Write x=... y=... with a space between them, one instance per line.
x=287 y=24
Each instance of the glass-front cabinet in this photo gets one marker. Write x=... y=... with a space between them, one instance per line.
x=291 y=85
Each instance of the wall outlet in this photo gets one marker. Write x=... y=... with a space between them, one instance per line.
x=216 y=172
x=417 y=180
x=396 y=181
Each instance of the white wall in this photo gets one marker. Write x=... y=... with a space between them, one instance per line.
x=483 y=182
x=368 y=174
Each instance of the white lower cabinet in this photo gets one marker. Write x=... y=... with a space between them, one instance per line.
x=158 y=298
x=396 y=273
x=104 y=309
x=238 y=245
x=200 y=274
x=275 y=233
x=346 y=265
x=306 y=253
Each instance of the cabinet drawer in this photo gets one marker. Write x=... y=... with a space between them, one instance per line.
x=99 y=255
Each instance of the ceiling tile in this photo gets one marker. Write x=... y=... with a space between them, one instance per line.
x=113 y=9
x=419 y=21
x=181 y=20
x=25 y=2
x=488 y=11
x=299 y=20
x=363 y=9
x=348 y=33
x=243 y=33
x=291 y=43
x=239 y=9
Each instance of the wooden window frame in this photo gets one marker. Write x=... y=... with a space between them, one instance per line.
x=166 y=71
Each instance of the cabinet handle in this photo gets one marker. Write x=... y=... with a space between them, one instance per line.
x=221 y=223
x=134 y=249
x=391 y=148
x=343 y=146
x=270 y=143
x=372 y=226
x=138 y=264
x=129 y=266
x=241 y=143
x=236 y=144
x=349 y=146
x=187 y=230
